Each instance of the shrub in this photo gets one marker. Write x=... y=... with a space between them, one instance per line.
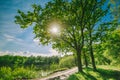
x=22 y=73
x=54 y=66
x=67 y=62
x=5 y=73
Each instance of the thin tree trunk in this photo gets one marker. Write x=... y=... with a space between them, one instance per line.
x=79 y=61
x=75 y=59
x=92 y=58
x=85 y=59
x=91 y=53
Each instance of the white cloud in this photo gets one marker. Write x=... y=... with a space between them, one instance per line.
x=53 y=52
x=8 y=37
x=11 y=38
x=36 y=40
x=27 y=53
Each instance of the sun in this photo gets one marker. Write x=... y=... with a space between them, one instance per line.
x=54 y=28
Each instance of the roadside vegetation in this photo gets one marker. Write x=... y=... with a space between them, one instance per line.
x=19 y=67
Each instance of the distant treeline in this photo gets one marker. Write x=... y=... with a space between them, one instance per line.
x=39 y=62
x=22 y=61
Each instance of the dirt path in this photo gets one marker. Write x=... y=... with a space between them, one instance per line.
x=62 y=75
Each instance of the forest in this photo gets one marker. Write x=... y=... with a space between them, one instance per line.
x=90 y=29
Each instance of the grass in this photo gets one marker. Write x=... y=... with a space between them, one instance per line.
x=102 y=73
x=6 y=73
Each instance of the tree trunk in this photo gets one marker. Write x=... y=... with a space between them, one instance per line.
x=91 y=53
x=79 y=61
x=92 y=58
x=75 y=56
x=85 y=59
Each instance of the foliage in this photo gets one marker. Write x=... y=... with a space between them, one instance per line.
x=22 y=73
x=54 y=67
x=32 y=66
x=6 y=73
x=112 y=46
x=67 y=62
x=107 y=50
x=33 y=62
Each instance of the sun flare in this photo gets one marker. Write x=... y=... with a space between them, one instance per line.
x=54 y=29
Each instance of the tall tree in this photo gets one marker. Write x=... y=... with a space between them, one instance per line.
x=94 y=16
x=104 y=31
x=70 y=17
x=110 y=43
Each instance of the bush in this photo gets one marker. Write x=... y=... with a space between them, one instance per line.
x=54 y=66
x=6 y=73
x=22 y=73
x=67 y=62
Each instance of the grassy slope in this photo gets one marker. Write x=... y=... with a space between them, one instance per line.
x=102 y=73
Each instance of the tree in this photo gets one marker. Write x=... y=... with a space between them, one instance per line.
x=111 y=46
x=102 y=43
x=114 y=41
x=96 y=14
x=72 y=16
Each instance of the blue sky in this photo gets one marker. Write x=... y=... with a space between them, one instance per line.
x=12 y=37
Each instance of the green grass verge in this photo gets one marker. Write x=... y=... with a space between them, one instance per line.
x=102 y=73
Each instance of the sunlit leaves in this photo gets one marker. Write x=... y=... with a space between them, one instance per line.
x=27 y=19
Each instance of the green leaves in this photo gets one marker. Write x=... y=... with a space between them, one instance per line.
x=25 y=20
x=74 y=17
